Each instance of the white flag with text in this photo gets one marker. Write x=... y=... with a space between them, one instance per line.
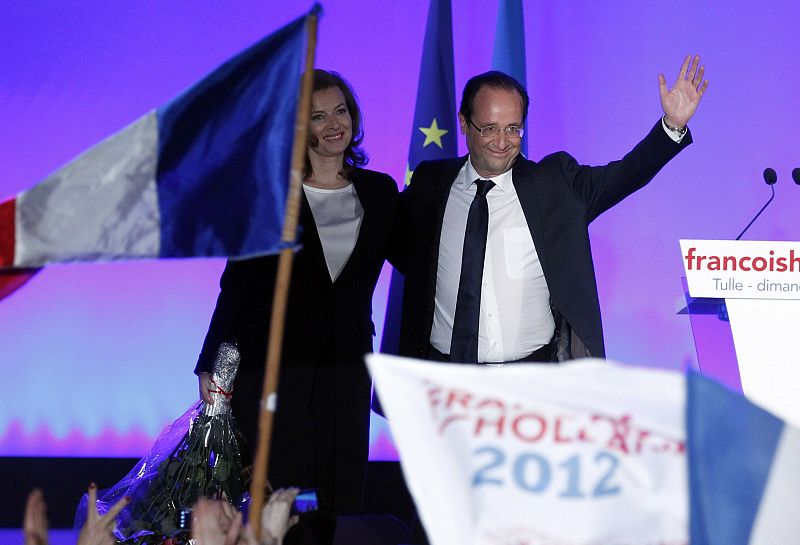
x=582 y=453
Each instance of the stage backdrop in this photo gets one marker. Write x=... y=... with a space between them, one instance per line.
x=95 y=359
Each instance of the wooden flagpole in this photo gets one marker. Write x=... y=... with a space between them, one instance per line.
x=282 y=281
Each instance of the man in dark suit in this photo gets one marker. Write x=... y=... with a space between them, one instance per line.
x=530 y=294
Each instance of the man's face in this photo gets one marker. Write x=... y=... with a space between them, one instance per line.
x=493 y=155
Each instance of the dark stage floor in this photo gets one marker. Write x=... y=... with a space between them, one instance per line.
x=387 y=517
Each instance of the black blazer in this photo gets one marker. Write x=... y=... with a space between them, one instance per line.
x=559 y=198
x=321 y=429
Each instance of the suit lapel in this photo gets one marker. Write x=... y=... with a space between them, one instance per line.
x=367 y=200
x=526 y=185
x=442 y=179
x=310 y=237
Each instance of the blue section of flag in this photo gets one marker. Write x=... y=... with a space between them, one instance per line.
x=433 y=134
x=225 y=152
x=509 y=46
x=731 y=444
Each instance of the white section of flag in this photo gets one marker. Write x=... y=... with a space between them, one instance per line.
x=777 y=520
x=583 y=453
x=101 y=205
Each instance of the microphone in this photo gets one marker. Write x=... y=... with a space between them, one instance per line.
x=796 y=175
x=770 y=177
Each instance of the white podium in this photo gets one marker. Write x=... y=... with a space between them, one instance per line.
x=756 y=286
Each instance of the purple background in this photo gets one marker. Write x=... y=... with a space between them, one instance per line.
x=95 y=359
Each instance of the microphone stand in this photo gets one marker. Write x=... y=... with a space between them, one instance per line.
x=772 y=187
x=770 y=178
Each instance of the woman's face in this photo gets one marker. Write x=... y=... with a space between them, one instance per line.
x=330 y=130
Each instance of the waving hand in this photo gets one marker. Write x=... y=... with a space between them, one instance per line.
x=680 y=102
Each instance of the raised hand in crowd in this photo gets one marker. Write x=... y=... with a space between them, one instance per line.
x=98 y=528
x=35 y=522
x=275 y=518
x=215 y=523
x=218 y=523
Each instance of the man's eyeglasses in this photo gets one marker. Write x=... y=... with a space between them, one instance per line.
x=493 y=130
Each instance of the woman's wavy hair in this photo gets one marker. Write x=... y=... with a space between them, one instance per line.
x=354 y=154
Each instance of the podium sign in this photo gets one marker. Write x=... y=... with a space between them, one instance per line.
x=736 y=269
x=760 y=284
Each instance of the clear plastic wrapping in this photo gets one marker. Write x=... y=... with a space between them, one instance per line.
x=197 y=455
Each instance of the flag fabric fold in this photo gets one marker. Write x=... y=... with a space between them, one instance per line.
x=587 y=452
x=204 y=175
x=508 y=54
x=744 y=466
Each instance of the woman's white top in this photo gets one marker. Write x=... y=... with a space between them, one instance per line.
x=337 y=214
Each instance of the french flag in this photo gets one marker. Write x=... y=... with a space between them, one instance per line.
x=204 y=175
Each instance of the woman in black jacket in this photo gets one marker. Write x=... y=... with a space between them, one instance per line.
x=321 y=427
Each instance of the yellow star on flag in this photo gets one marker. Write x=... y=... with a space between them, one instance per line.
x=433 y=134
x=409 y=173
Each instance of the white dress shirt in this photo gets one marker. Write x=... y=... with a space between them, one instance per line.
x=515 y=317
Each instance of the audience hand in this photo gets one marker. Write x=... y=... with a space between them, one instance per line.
x=35 y=524
x=215 y=524
x=98 y=528
x=275 y=519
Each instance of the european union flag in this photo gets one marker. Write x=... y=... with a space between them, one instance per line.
x=509 y=46
x=433 y=134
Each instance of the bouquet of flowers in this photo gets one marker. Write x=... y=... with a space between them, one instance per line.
x=197 y=455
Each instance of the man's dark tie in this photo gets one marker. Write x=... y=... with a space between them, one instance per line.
x=464 y=345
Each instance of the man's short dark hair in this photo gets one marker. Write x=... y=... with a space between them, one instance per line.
x=494 y=80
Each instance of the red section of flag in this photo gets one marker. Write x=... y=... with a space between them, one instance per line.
x=7 y=232
x=10 y=279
